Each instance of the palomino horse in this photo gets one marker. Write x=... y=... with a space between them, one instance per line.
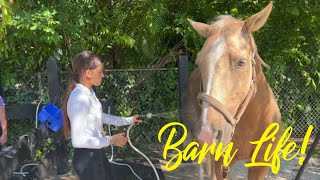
x=236 y=102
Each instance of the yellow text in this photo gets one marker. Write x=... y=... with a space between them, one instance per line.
x=272 y=154
x=191 y=151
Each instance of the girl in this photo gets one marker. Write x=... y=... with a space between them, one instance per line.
x=84 y=119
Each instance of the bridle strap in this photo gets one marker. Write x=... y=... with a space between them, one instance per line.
x=218 y=106
x=221 y=108
x=250 y=95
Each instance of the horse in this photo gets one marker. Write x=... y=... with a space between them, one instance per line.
x=229 y=98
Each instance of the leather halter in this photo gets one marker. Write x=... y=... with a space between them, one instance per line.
x=221 y=108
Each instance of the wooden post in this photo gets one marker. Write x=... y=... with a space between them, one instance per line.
x=183 y=93
x=54 y=82
x=61 y=153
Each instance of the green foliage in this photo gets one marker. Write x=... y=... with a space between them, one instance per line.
x=135 y=34
x=42 y=151
x=39 y=32
x=5 y=21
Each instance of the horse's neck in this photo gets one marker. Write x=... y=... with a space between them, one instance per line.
x=262 y=109
x=261 y=79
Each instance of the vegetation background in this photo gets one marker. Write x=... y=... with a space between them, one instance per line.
x=142 y=33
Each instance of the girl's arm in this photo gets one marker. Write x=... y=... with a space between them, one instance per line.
x=117 y=120
x=3 y=123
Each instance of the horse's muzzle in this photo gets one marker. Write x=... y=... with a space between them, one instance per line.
x=208 y=135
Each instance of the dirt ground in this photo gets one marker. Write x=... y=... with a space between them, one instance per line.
x=288 y=170
x=189 y=171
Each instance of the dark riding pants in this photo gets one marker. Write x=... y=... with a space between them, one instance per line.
x=91 y=164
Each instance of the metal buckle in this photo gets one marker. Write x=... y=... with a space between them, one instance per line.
x=225 y=170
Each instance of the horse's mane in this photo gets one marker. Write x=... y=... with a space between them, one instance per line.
x=223 y=20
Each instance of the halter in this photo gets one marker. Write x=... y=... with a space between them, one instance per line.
x=221 y=108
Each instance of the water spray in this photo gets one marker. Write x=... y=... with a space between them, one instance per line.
x=158 y=115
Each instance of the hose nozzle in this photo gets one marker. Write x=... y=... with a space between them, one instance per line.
x=148 y=116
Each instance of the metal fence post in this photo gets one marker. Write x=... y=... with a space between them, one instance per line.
x=61 y=153
x=183 y=93
x=306 y=160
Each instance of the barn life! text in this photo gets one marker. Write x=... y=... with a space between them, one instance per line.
x=193 y=150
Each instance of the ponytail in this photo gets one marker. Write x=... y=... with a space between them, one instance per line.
x=80 y=63
x=66 y=120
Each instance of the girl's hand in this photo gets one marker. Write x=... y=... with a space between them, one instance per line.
x=136 y=119
x=119 y=139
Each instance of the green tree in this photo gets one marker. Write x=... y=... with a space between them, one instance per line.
x=145 y=33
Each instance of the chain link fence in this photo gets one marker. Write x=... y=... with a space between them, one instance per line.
x=299 y=105
x=142 y=92
x=26 y=88
x=156 y=91
x=23 y=89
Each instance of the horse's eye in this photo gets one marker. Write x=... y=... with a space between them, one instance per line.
x=240 y=63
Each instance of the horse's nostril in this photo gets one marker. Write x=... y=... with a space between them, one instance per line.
x=219 y=135
x=215 y=134
x=208 y=134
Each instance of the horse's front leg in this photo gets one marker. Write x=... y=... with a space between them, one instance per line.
x=211 y=167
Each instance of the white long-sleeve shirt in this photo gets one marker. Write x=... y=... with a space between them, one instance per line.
x=86 y=117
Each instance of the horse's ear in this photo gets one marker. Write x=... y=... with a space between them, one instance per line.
x=256 y=21
x=204 y=30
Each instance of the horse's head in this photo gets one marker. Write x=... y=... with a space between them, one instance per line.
x=227 y=66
